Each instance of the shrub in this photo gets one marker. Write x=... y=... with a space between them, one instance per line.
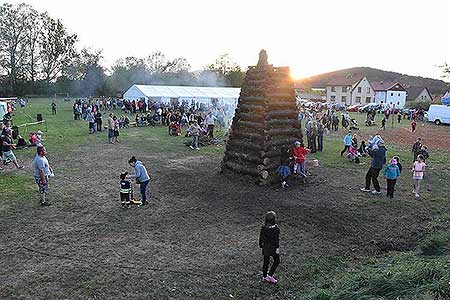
x=425 y=105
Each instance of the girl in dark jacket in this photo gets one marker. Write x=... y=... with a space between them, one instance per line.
x=269 y=243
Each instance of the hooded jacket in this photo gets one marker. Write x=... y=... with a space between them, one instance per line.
x=378 y=157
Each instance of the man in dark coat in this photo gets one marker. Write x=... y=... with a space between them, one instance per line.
x=378 y=160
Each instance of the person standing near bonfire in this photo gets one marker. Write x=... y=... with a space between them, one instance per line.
x=269 y=242
x=284 y=170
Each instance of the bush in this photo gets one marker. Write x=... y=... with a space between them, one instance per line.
x=424 y=105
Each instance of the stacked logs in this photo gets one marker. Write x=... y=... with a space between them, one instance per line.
x=265 y=120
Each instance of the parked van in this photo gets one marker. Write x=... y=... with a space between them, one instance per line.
x=439 y=114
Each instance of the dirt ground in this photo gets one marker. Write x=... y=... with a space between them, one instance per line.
x=198 y=238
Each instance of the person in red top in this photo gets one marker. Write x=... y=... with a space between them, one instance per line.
x=413 y=126
x=299 y=154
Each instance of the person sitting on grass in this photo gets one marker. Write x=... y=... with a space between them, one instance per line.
x=7 y=147
x=284 y=170
x=353 y=154
x=391 y=173
x=269 y=242
x=363 y=149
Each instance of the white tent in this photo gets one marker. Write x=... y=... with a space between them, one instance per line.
x=165 y=94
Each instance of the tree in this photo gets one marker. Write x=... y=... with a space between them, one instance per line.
x=57 y=48
x=224 y=66
x=14 y=22
x=157 y=63
x=86 y=73
x=32 y=34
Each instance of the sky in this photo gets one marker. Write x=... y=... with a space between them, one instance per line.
x=311 y=37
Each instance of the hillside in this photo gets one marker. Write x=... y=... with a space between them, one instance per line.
x=434 y=85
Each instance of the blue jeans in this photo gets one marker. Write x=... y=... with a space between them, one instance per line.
x=143 y=190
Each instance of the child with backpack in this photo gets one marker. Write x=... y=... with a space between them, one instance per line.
x=269 y=242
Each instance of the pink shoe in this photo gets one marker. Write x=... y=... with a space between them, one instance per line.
x=267 y=279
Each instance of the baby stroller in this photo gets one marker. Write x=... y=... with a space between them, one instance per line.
x=353 y=124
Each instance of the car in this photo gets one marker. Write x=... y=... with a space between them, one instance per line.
x=370 y=106
x=353 y=108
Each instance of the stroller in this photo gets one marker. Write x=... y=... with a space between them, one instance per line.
x=354 y=124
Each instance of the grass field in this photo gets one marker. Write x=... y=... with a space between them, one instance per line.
x=198 y=238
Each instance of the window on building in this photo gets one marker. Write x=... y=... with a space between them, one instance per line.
x=368 y=90
x=358 y=99
x=333 y=89
x=343 y=98
x=392 y=94
x=333 y=98
x=368 y=99
x=359 y=89
x=398 y=94
x=344 y=89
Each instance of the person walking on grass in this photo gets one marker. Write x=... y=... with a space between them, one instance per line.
x=378 y=156
x=7 y=147
x=269 y=242
x=53 y=108
x=416 y=148
x=383 y=124
x=42 y=173
x=418 y=172
x=347 y=142
x=391 y=173
x=413 y=126
x=141 y=176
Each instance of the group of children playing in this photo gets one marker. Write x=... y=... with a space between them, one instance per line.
x=298 y=157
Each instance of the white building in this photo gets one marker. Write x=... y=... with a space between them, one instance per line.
x=390 y=94
x=350 y=91
x=417 y=93
x=171 y=94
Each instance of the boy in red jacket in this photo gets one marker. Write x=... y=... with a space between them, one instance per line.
x=299 y=153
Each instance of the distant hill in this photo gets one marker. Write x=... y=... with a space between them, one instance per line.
x=434 y=85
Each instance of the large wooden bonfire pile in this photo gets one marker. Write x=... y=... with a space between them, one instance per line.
x=265 y=120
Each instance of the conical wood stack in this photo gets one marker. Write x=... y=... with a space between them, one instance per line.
x=265 y=120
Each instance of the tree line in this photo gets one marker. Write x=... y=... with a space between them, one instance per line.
x=39 y=56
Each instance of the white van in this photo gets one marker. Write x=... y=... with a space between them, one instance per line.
x=439 y=114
